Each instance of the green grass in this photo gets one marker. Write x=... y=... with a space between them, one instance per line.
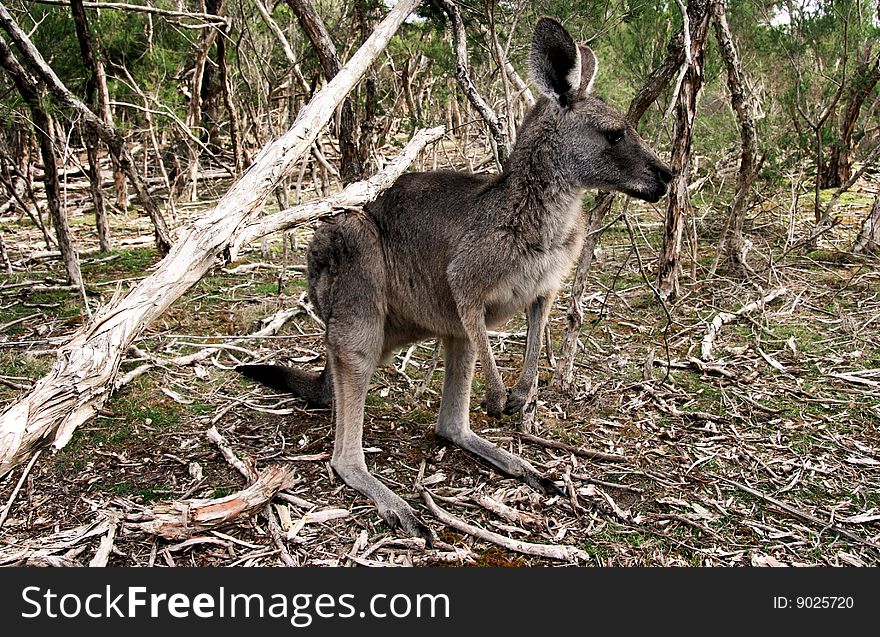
x=127 y=262
x=222 y=492
x=139 y=492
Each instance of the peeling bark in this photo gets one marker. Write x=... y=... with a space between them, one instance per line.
x=730 y=244
x=180 y=520
x=678 y=202
x=868 y=240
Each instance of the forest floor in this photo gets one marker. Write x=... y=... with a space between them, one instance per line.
x=769 y=454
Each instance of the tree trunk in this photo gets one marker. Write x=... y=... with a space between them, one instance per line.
x=79 y=382
x=678 y=203
x=865 y=77
x=731 y=241
x=351 y=168
x=44 y=129
x=497 y=128
x=98 y=82
x=229 y=103
x=868 y=240
x=647 y=95
x=108 y=134
x=371 y=94
x=188 y=185
x=90 y=139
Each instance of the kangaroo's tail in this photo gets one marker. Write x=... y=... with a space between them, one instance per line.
x=316 y=388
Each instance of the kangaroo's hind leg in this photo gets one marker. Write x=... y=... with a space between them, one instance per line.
x=355 y=339
x=453 y=422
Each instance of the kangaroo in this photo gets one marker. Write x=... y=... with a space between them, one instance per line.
x=451 y=254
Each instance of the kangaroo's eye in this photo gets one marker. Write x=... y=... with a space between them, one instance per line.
x=615 y=136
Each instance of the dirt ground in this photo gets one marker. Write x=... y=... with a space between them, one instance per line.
x=768 y=454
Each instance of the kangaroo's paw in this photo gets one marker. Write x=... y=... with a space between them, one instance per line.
x=516 y=400
x=494 y=403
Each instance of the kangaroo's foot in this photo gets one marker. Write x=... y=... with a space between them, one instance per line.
x=391 y=508
x=505 y=461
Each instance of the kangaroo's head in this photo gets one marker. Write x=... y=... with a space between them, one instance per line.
x=598 y=147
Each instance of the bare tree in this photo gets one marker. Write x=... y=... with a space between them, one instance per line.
x=98 y=77
x=187 y=184
x=731 y=244
x=108 y=134
x=497 y=128
x=351 y=167
x=678 y=203
x=44 y=129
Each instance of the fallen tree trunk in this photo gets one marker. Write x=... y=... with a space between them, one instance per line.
x=180 y=520
x=79 y=381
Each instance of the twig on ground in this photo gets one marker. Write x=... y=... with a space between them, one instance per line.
x=590 y=454
x=803 y=515
x=17 y=488
x=550 y=551
x=726 y=317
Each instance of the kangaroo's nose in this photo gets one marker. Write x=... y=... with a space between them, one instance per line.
x=664 y=174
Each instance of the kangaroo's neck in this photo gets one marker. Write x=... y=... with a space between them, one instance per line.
x=543 y=199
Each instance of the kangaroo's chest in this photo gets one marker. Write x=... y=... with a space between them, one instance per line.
x=539 y=271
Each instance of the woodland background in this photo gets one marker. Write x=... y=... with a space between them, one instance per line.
x=710 y=393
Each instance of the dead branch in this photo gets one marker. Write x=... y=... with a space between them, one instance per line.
x=508 y=513
x=462 y=75
x=726 y=317
x=244 y=467
x=179 y=520
x=353 y=195
x=803 y=515
x=44 y=547
x=270 y=325
x=590 y=454
x=210 y=19
x=102 y=555
x=550 y=551
x=17 y=488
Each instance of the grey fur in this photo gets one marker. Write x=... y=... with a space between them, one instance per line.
x=450 y=255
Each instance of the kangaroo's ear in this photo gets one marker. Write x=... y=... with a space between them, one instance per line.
x=589 y=66
x=557 y=61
